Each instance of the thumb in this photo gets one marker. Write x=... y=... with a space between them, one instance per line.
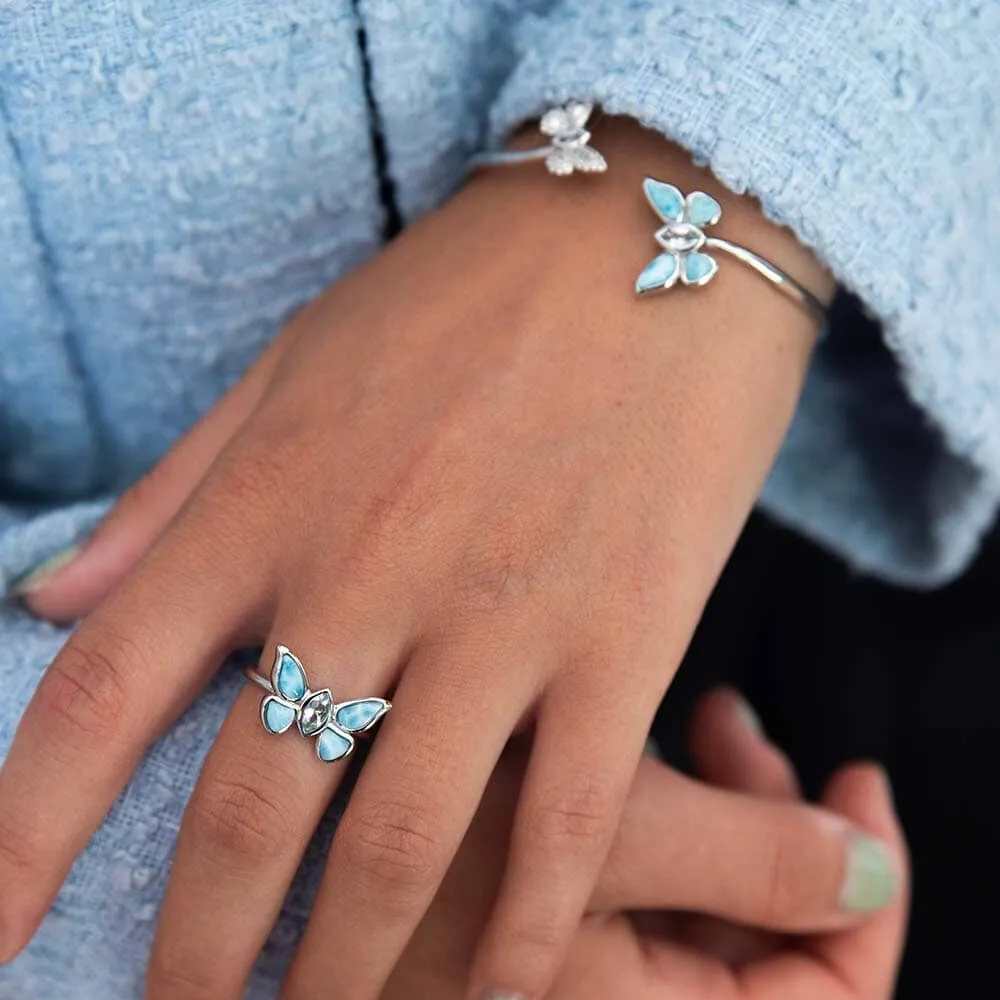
x=70 y=584
x=777 y=865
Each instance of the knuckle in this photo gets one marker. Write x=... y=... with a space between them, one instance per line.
x=239 y=821
x=787 y=882
x=87 y=687
x=575 y=817
x=394 y=845
x=17 y=854
x=174 y=975
x=535 y=940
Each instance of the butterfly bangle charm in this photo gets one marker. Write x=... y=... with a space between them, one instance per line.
x=568 y=148
x=684 y=243
x=290 y=701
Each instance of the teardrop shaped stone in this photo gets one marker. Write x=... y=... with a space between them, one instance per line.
x=660 y=272
x=291 y=679
x=703 y=209
x=358 y=715
x=315 y=712
x=331 y=745
x=698 y=267
x=277 y=716
x=665 y=198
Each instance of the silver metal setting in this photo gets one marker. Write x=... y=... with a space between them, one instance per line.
x=567 y=151
x=684 y=244
x=314 y=712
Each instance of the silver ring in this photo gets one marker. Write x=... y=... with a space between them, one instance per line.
x=290 y=700
x=684 y=243
x=567 y=150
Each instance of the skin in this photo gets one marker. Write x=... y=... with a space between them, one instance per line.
x=475 y=473
x=635 y=943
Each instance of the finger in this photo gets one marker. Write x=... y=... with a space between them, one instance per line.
x=413 y=804
x=140 y=516
x=859 y=963
x=683 y=845
x=118 y=682
x=257 y=803
x=730 y=749
x=566 y=819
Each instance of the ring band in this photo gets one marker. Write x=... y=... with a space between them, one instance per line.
x=289 y=700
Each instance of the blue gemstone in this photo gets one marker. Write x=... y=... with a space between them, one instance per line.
x=703 y=209
x=665 y=199
x=698 y=266
x=277 y=716
x=660 y=272
x=291 y=678
x=331 y=745
x=357 y=715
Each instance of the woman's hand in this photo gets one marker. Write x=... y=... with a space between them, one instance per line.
x=477 y=472
x=747 y=850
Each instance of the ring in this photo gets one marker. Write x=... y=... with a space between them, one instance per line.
x=683 y=241
x=289 y=700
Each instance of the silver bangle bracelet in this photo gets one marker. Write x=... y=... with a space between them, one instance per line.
x=682 y=238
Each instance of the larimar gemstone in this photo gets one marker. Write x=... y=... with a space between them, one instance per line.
x=703 y=209
x=698 y=266
x=659 y=273
x=315 y=712
x=354 y=716
x=331 y=745
x=665 y=199
x=277 y=716
x=290 y=678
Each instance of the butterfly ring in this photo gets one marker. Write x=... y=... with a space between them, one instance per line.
x=289 y=700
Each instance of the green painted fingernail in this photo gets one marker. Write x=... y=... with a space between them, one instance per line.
x=749 y=717
x=872 y=881
x=37 y=575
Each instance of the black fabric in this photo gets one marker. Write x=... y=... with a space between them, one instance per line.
x=841 y=668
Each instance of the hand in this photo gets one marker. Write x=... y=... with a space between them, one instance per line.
x=754 y=855
x=477 y=472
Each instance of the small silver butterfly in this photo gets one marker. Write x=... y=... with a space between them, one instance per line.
x=315 y=711
x=565 y=127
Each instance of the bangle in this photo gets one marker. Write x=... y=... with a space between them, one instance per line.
x=681 y=237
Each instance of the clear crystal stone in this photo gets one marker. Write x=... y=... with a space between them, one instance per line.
x=680 y=237
x=316 y=712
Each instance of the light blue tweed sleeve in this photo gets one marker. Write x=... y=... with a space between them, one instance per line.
x=870 y=127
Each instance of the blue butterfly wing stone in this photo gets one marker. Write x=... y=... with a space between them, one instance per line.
x=276 y=715
x=699 y=268
x=332 y=744
x=703 y=209
x=660 y=272
x=288 y=677
x=667 y=201
x=359 y=716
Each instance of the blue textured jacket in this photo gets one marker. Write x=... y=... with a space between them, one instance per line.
x=178 y=176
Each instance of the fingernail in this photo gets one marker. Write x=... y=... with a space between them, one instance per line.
x=29 y=582
x=748 y=716
x=872 y=881
x=502 y=995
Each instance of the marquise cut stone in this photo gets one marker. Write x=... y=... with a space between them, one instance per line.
x=315 y=713
x=680 y=237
